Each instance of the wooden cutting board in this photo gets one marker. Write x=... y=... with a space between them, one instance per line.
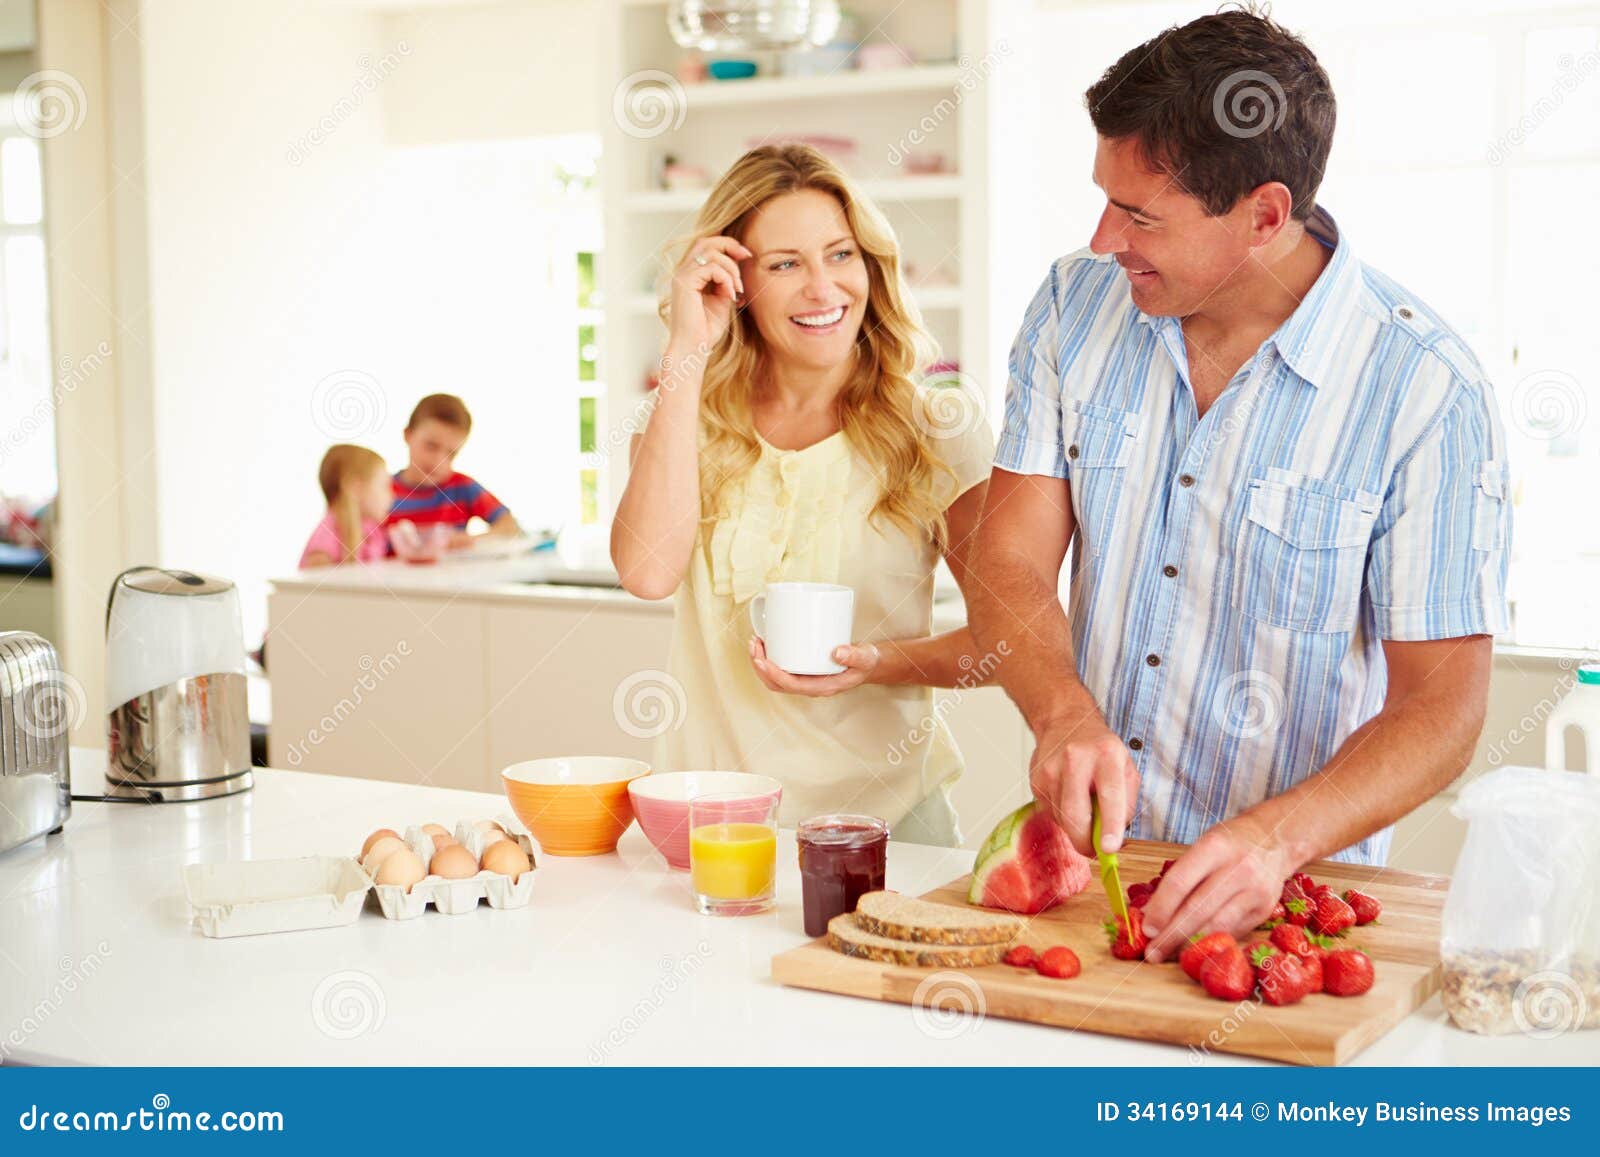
x=1157 y=1001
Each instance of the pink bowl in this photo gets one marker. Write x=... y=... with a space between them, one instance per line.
x=661 y=804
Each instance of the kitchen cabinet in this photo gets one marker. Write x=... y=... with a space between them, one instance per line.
x=378 y=687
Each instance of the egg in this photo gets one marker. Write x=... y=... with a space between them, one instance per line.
x=487 y=826
x=453 y=862
x=493 y=837
x=506 y=859
x=381 y=851
x=374 y=838
x=403 y=867
x=440 y=834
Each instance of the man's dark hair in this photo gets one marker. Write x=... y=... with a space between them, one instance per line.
x=1223 y=104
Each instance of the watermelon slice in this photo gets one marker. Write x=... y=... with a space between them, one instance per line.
x=1027 y=865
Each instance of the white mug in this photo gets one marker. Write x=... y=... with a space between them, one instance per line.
x=802 y=624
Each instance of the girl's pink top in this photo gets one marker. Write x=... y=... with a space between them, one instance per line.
x=325 y=539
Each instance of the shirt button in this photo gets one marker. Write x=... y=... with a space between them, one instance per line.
x=1135 y=745
x=1404 y=312
x=1153 y=660
x=1186 y=480
x=1170 y=571
x=1072 y=451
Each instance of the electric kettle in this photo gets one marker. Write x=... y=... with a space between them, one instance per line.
x=175 y=668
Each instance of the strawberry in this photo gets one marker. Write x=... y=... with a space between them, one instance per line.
x=1332 y=915
x=1312 y=966
x=1304 y=882
x=1021 y=957
x=1347 y=972
x=1128 y=943
x=1139 y=894
x=1364 y=906
x=1227 y=975
x=1292 y=890
x=1059 y=962
x=1322 y=890
x=1165 y=864
x=1195 y=954
x=1298 y=912
x=1281 y=976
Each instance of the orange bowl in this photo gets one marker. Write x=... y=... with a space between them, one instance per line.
x=575 y=805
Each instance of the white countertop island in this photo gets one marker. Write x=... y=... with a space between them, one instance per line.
x=609 y=964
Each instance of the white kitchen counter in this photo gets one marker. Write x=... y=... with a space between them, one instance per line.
x=540 y=577
x=608 y=964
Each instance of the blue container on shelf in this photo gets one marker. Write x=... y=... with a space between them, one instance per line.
x=731 y=69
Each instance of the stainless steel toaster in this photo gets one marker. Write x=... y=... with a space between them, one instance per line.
x=36 y=709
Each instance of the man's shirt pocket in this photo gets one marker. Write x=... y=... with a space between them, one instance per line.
x=1303 y=551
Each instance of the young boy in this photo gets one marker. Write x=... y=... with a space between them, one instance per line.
x=429 y=490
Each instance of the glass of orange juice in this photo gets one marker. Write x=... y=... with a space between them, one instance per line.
x=733 y=853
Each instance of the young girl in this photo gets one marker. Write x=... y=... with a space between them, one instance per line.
x=356 y=483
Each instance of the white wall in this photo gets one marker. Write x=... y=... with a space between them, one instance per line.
x=263 y=157
x=495 y=71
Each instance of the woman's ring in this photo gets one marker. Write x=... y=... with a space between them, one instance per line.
x=701 y=259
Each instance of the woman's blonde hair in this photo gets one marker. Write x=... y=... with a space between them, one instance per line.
x=344 y=467
x=881 y=406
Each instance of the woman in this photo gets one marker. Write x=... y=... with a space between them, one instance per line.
x=790 y=442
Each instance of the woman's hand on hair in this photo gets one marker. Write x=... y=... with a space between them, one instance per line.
x=858 y=659
x=704 y=295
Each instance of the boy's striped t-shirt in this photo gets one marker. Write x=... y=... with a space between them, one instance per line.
x=454 y=501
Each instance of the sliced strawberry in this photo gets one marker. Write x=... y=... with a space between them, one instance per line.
x=1127 y=943
x=1059 y=962
x=1366 y=908
x=1021 y=957
x=1347 y=972
x=1139 y=895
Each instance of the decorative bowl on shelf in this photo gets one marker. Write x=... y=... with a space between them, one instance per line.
x=575 y=805
x=661 y=802
x=731 y=69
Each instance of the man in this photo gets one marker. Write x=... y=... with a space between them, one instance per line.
x=1284 y=482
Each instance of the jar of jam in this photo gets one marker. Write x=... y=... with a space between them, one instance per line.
x=842 y=857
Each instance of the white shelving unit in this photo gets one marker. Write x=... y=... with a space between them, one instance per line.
x=971 y=255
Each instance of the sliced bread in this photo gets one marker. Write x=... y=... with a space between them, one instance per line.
x=898 y=917
x=847 y=936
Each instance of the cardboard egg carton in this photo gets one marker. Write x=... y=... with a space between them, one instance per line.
x=453 y=897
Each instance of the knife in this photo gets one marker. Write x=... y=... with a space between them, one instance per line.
x=1110 y=879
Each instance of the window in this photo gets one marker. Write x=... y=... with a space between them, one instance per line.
x=1467 y=166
